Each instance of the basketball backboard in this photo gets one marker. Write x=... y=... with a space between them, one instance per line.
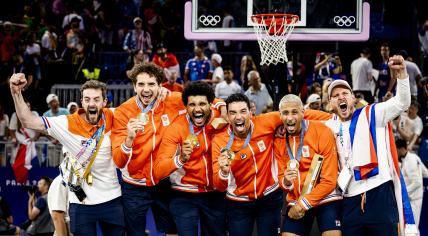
x=319 y=20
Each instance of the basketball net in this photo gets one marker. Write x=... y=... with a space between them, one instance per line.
x=272 y=32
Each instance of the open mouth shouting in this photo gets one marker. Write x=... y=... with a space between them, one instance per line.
x=92 y=115
x=343 y=106
x=146 y=99
x=199 y=118
x=240 y=126
x=291 y=127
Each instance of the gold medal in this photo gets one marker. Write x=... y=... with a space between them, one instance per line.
x=193 y=140
x=143 y=117
x=293 y=164
x=230 y=154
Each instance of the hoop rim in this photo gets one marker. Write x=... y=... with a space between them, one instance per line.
x=256 y=18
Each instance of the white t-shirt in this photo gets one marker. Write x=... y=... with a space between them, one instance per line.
x=3 y=125
x=262 y=98
x=46 y=42
x=224 y=90
x=360 y=68
x=413 y=71
x=414 y=125
x=105 y=186
x=218 y=73
x=58 y=197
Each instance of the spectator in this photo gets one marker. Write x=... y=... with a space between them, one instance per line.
x=253 y=108
x=137 y=58
x=4 y=123
x=75 y=42
x=324 y=98
x=413 y=171
x=247 y=65
x=199 y=67
x=227 y=87
x=18 y=133
x=414 y=72
x=423 y=39
x=171 y=84
x=55 y=109
x=6 y=220
x=384 y=83
x=327 y=65
x=72 y=107
x=50 y=43
x=33 y=56
x=257 y=92
x=218 y=74
x=58 y=207
x=361 y=72
x=227 y=22
x=38 y=210
x=410 y=126
x=313 y=102
x=168 y=61
x=73 y=17
x=7 y=46
x=138 y=39
x=316 y=88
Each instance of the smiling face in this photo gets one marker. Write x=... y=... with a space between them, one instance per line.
x=93 y=103
x=291 y=114
x=239 y=117
x=146 y=88
x=198 y=109
x=342 y=102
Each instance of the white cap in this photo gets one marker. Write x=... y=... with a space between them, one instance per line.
x=71 y=104
x=216 y=57
x=336 y=83
x=51 y=97
x=313 y=98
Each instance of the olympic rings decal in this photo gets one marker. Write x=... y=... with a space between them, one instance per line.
x=344 y=20
x=209 y=20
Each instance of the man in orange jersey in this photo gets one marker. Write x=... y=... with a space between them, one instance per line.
x=138 y=127
x=94 y=190
x=194 y=198
x=244 y=166
x=295 y=154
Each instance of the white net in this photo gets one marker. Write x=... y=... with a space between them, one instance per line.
x=272 y=34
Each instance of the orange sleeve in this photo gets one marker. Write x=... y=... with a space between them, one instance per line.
x=168 y=157
x=279 y=151
x=220 y=182
x=118 y=135
x=270 y=121
x=175 y=97
x=316 y=115
x=329 y=171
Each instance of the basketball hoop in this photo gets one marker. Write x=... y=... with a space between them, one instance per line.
x=272 y=32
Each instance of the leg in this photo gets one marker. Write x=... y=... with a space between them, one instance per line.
x=111 y=218
x=269 y=213
x=240 y=217
x=387 y=229
x=163 y=218
x=82 y=221
x=328 y=218
x=136 y=202
x=213 y=214
x=352 y=220
x=300 y=227
x=185 y=213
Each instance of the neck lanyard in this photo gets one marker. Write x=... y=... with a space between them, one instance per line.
x=247 y=140
x=148 y=108
x=300 y=148
x=96 y=136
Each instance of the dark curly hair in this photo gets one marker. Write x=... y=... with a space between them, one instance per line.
x=197 y=88
x=146 y=67
x=237 y=97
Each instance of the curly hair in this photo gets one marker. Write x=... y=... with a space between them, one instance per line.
x=146 y=67
x=197 y=88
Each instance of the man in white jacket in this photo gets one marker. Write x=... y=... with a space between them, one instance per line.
x=413 y=171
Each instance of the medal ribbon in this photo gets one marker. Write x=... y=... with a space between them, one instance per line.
x=148 y=108
x=96 y=136
x=300 y=148
x=191 y=129
x=247 y=139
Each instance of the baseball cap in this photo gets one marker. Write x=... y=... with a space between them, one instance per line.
x=71 y=104
x=137 y=19
x=51 y=97
x=216 y=57
x=313 y=98
x=336 y=83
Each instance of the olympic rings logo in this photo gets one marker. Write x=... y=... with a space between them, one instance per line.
x=344 y=20
x=209 y=20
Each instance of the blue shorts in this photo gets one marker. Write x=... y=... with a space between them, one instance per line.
x=327 y=214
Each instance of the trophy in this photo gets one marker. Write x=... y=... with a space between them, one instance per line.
x=312 y=176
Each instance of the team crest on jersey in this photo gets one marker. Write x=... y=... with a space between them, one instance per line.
x=84 y=141
x=243 y=156
x=305 y=151
x=261 y=145
x=165 y=120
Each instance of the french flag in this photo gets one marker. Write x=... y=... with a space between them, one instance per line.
x=23 y=159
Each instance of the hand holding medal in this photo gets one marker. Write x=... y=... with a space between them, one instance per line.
x=193 y=140
x=225 y=160
x=144 y=119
